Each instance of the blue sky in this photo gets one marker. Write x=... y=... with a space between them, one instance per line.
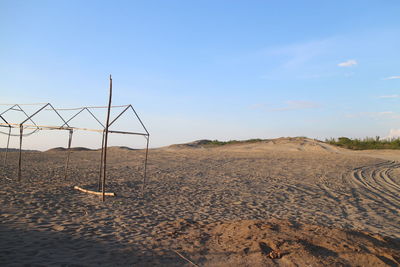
x=210 y=69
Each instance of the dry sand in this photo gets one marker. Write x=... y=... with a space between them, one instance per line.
x=283 y=202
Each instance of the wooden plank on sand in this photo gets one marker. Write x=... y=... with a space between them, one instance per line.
x=94 y=192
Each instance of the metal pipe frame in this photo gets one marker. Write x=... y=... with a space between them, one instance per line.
x=23 y=111
x=21 y=130
x=8 y=144
x=101 y=162
x=145 y=166
x=47 y=127
x=68 y=152
x=103 y=185
x=80 y=111
x=66 y=126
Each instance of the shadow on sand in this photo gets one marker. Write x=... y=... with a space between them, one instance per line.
x=47 y=247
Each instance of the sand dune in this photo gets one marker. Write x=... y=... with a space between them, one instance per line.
x=279 y=144
x=334 y=196
x=60 y=149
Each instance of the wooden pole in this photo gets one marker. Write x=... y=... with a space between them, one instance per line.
x=8 y=144
x=145 y=166
x=68 y=152
x=101 y=162
x=105 y=142
x=21 y=130
x=94 y=192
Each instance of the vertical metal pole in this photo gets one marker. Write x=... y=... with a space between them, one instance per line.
x=8 y=144
x=101 y=162
x=145 y=165
x=105 y=143
x=68 y=152
x=21 y=130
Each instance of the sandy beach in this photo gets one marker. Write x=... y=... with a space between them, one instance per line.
x=281 y=202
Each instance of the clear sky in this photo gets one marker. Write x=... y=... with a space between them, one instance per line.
x=210 y=69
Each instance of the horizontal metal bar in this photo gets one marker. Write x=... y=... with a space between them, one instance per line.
x=121 y=132
x=49 y=127
x=30 y=104
x=122 y=106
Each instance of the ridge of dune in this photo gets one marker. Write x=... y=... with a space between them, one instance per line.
x=59 y=149
x=78 y=149
x=280 y=144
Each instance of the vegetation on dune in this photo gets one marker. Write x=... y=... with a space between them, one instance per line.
x=345 y=142
x=365 y=143
x=222 y=143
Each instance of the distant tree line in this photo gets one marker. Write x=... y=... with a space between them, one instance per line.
x=365 y=143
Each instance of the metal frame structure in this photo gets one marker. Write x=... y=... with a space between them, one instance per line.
x=104 y=130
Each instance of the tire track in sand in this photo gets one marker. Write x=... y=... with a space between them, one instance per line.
x=368 y=197
x=376 y=196
x=374 y=183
